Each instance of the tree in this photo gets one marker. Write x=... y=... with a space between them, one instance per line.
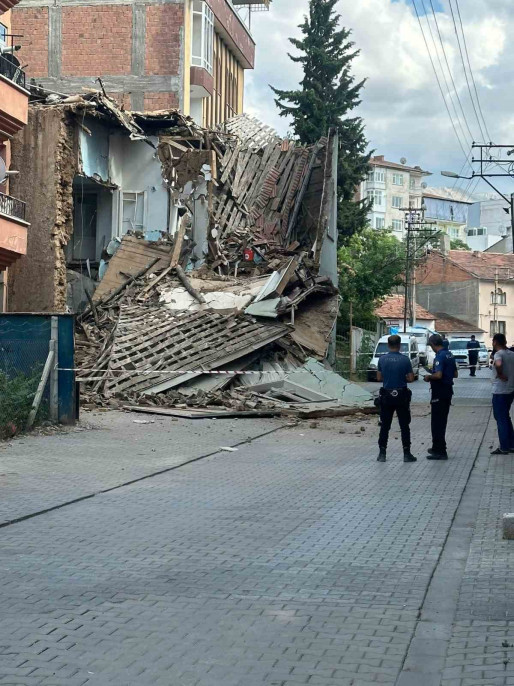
x=327 y=94
x=457 y=244
x=371 y=265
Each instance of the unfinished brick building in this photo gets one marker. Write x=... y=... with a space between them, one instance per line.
x=150 y=54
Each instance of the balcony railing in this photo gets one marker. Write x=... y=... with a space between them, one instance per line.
x=11 y=70
x=12 y=207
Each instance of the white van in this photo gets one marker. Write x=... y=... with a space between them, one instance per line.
x=409 y=347
x=422 y=334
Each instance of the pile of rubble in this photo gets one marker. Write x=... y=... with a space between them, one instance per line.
x=188 y=345
x=234 y=314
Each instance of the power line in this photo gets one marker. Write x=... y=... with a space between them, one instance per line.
x=471 y=70
x=438 y=80
x=449 y=69
x=446 y=80
x=465 y=71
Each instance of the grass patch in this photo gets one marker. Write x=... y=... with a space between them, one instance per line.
x=16 y=398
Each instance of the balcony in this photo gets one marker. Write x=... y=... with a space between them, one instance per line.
x=14 y=99
x=13 y=230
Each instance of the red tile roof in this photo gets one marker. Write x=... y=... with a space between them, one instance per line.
x=483 y=264
x=393 y=307
x=445 y=323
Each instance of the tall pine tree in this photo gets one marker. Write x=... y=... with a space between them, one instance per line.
x=327 y=94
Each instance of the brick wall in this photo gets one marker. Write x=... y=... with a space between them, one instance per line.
x=438 y=269
x=163 y=42
x=33 y=24
x=96 y=40
x=160 y=101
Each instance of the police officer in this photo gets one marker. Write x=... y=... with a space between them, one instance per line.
x=473 y=347
x=395 y=370
x=441 y=381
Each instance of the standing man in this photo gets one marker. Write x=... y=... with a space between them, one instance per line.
x=395 y=370
x=503 y=393
x=473 y=347
x=441 y=381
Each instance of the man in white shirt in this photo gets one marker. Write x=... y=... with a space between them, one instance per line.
x=503 y=393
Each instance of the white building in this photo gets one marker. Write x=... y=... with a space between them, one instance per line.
x=392 y=186
x=488 y=225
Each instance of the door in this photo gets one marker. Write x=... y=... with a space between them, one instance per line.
x=85 y=216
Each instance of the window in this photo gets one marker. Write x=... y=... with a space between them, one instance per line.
x=412 y=184
x=500 y=299
x=397 y=225
x=479 y=231
x=378 y=175
x=133 y=209
x=398 y=179
x=3 y=34
x=376 y=197
x=498 y=327
x=397 y=201
x=380 y=223
x=454 y=232
x=202 y=35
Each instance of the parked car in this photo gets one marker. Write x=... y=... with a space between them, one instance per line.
x=458 y=348
x=409 y=347
x=483 y=356
x=422 y=334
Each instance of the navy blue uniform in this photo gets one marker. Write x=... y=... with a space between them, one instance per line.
x=395 y=397
x=473 y=348
x=442 y=392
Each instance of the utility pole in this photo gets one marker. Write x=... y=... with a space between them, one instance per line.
x=416 y=226
x=496 y=301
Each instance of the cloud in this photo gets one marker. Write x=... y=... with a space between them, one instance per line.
x=402 y=106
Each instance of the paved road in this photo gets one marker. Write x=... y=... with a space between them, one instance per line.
x=297 y=559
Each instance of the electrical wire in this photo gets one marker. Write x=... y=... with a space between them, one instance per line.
x=438 y=80
x=471 y=71
x=448 y=68
x=465 y=71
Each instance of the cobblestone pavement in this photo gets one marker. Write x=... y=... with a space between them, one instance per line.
x=41 y=472
x=297 y=559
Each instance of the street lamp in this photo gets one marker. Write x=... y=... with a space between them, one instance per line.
x=510 y=201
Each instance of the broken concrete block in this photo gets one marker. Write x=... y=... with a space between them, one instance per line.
x=508 y=526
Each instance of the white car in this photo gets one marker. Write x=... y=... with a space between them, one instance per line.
x=409 y=347
x=484 y=356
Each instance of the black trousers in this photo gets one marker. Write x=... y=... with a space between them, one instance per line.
x=386 y=418
x=473 y=363
x=440 y=406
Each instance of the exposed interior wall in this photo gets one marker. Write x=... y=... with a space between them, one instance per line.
x=135 y=167
x=46 y=154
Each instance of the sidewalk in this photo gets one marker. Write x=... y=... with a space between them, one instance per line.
x=297 y=560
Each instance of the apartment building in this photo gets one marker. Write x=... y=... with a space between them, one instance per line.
x=14 y=101
x=150 y=54
x=448 y=211
x=392 y=186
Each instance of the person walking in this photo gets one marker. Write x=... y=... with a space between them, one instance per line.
x=395 y=372
x=503 y=393
x=473 y=347
x=441 y=379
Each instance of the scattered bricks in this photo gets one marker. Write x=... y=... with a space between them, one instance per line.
x=508 y=526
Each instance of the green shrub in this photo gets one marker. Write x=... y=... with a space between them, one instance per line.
x=16 y=398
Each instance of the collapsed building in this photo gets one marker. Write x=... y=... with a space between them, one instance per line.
x=187 y=253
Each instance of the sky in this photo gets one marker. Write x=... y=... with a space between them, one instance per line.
x=402 y=106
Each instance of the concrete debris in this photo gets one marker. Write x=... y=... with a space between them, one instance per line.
x=229 y=311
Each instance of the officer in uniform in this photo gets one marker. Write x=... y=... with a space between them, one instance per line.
x=473 y=347
x=395 y=371
x=441 y=381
